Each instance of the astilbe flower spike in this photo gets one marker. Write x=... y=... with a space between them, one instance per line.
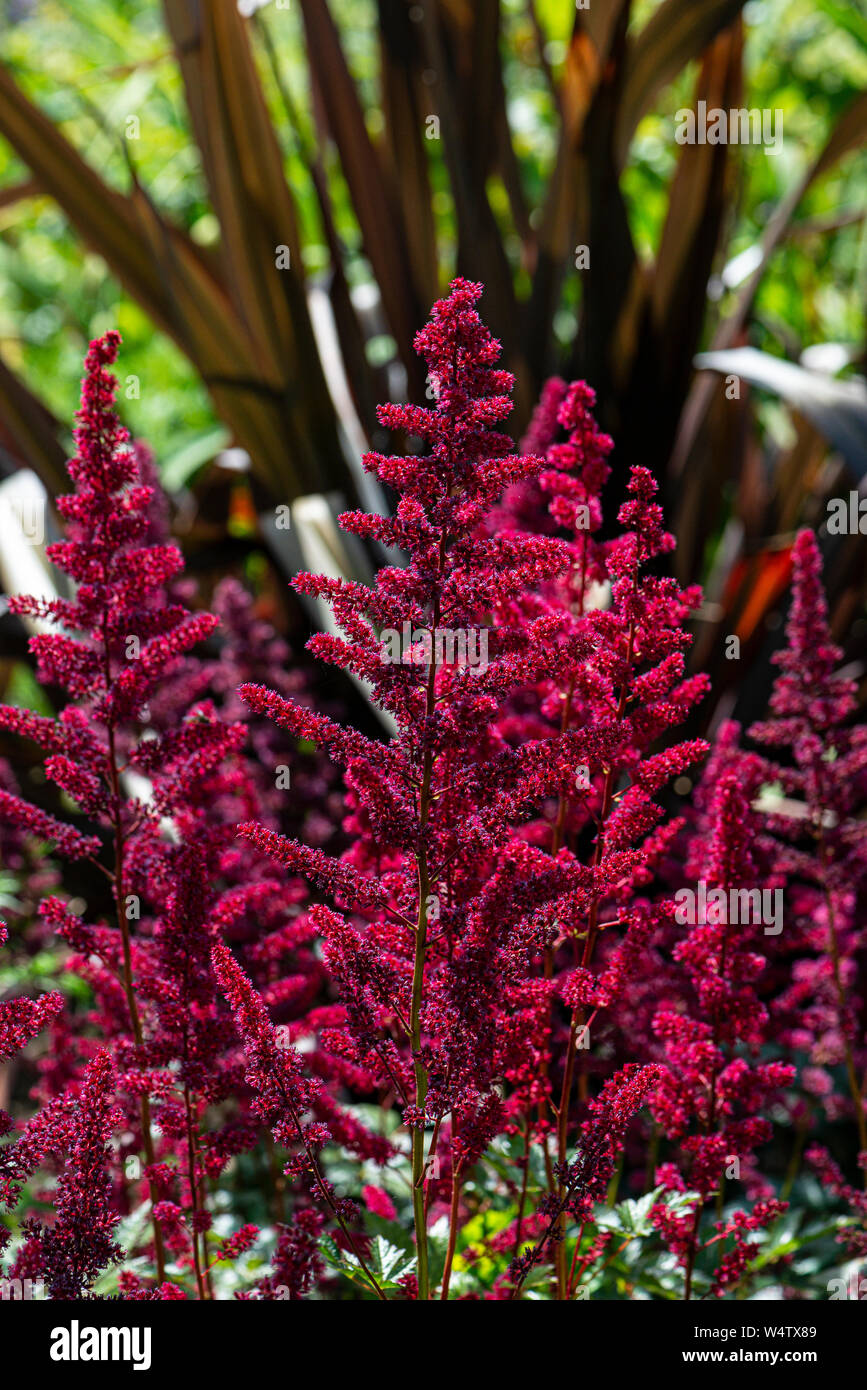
x=252 y=653
x=283 y=1094
x=296 y=1262
x=22 y=1018
x=713 y=1089
x=817 y=841
x=584 y=1180
x=79 y=1243
x=110 y=647
x=449 y=893
x=631 y=685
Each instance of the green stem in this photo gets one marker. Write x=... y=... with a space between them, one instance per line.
x=418 y=1164
x=454 y=1213
x=126 y=946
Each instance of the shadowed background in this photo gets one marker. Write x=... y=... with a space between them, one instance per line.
x=266 y=199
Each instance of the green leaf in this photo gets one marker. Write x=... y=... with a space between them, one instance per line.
x=847 y=16
x=387 y=1262
x=193 y=454
x=632 y=1217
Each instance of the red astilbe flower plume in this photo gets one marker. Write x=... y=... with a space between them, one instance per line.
x=631 y=688
x=713 y=1090
x=252 y=653
x=117 y=578
x=296 y=1263
x=542 y=429
x=809 y=698
x=578 y=471
x=854 y=1233
x=21 y=1019
x=633 y=680
x=110 y=647
x=817 y=839
x=585 y=1179
x=79 y=1243
x=524 y=506
x=127 y=637
x=444 y=890
x=283 y=1094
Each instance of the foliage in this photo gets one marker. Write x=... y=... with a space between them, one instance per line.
x=163 y=225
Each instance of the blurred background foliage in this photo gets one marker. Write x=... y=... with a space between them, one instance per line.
x=154 y=157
